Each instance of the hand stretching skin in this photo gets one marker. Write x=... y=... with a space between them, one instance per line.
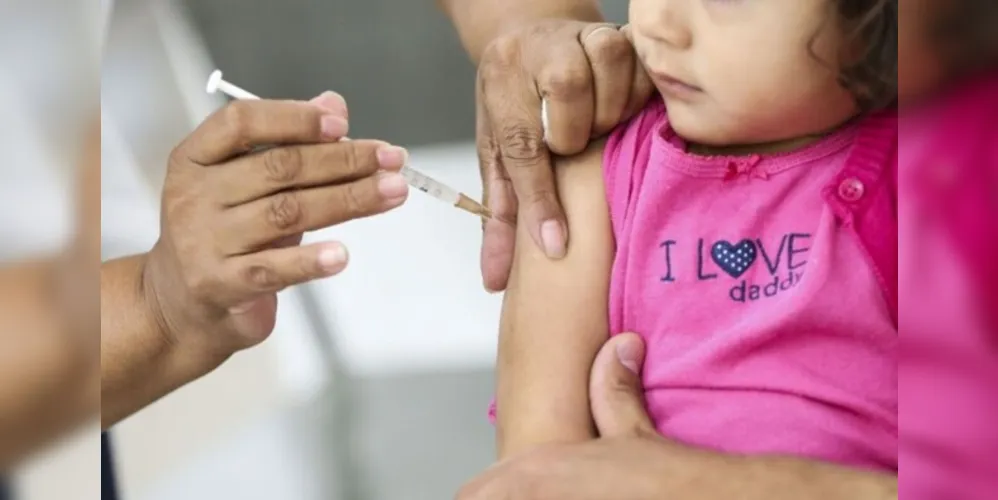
x=590 y=79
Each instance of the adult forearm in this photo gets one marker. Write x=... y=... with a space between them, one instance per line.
x=478 y=22
x=694 y=474
x=820 y=481
x=139 y=362
x=49 y=379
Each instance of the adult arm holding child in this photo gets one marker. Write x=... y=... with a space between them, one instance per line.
x=631 y=460
x=554 y=319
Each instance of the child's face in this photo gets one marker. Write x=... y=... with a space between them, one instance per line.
x=735 y=72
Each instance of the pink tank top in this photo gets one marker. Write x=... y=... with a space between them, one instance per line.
x=768 y=329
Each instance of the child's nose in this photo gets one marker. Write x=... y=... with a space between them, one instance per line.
x=672 y=23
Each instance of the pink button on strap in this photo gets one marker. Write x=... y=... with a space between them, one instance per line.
x=851 y=190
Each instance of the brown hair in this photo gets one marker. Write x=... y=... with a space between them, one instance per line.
x=870 y=70
x=967 y=35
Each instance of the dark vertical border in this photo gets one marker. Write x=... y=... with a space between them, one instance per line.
x=109 y=484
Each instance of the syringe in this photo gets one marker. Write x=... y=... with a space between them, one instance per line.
x=415 y=178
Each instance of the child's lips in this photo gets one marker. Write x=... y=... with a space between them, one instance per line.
x=674 y=87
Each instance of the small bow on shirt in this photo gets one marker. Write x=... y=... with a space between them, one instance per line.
x=746 y=167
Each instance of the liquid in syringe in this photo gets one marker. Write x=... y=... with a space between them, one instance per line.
x=443 y=193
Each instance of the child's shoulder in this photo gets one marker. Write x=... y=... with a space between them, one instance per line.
x=874 y=155
x=626 y=155
x=629 y=145
x=630 y=135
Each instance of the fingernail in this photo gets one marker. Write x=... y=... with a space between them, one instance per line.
x=600 y=29
x=334 y=127
x=629 y=354
x=330 y=101
x=392 y=157
x=333 y=258
x=553 y=239
x=392 y=186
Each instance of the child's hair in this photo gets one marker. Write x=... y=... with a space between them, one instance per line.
x=871 y=74
x=967 y=35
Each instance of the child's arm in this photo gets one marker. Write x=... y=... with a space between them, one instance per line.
x=554 y=318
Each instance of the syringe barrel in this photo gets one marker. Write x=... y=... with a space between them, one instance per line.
x=430 y=186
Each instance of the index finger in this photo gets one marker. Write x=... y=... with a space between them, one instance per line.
x=514 y=112
x=246 y=124
x=566 y=82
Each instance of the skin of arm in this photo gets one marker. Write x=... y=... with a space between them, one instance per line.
x=479 y=22
x=554 y=319
x=139 y=361
x=49 y=381
x=49 y=332
x=774 y=478
x=832 y=481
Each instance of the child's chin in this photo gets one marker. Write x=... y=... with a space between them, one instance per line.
x=698 y=131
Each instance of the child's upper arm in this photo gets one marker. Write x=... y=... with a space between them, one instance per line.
x=554 y=317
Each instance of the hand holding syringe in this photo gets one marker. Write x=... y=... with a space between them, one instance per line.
x=415 y=179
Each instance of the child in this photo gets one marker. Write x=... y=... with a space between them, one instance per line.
x=745 y=225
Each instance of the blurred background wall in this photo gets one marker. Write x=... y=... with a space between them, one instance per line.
x=399 y=63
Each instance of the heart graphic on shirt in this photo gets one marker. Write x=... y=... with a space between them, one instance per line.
x=734 y=259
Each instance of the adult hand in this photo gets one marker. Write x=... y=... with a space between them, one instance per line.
x=233 y=215
x=590 y=79
x=624 y=464
x=631 y=461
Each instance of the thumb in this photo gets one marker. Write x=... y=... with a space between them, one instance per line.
x=616 y=395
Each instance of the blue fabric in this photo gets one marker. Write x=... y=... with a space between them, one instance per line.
x=109 y=485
